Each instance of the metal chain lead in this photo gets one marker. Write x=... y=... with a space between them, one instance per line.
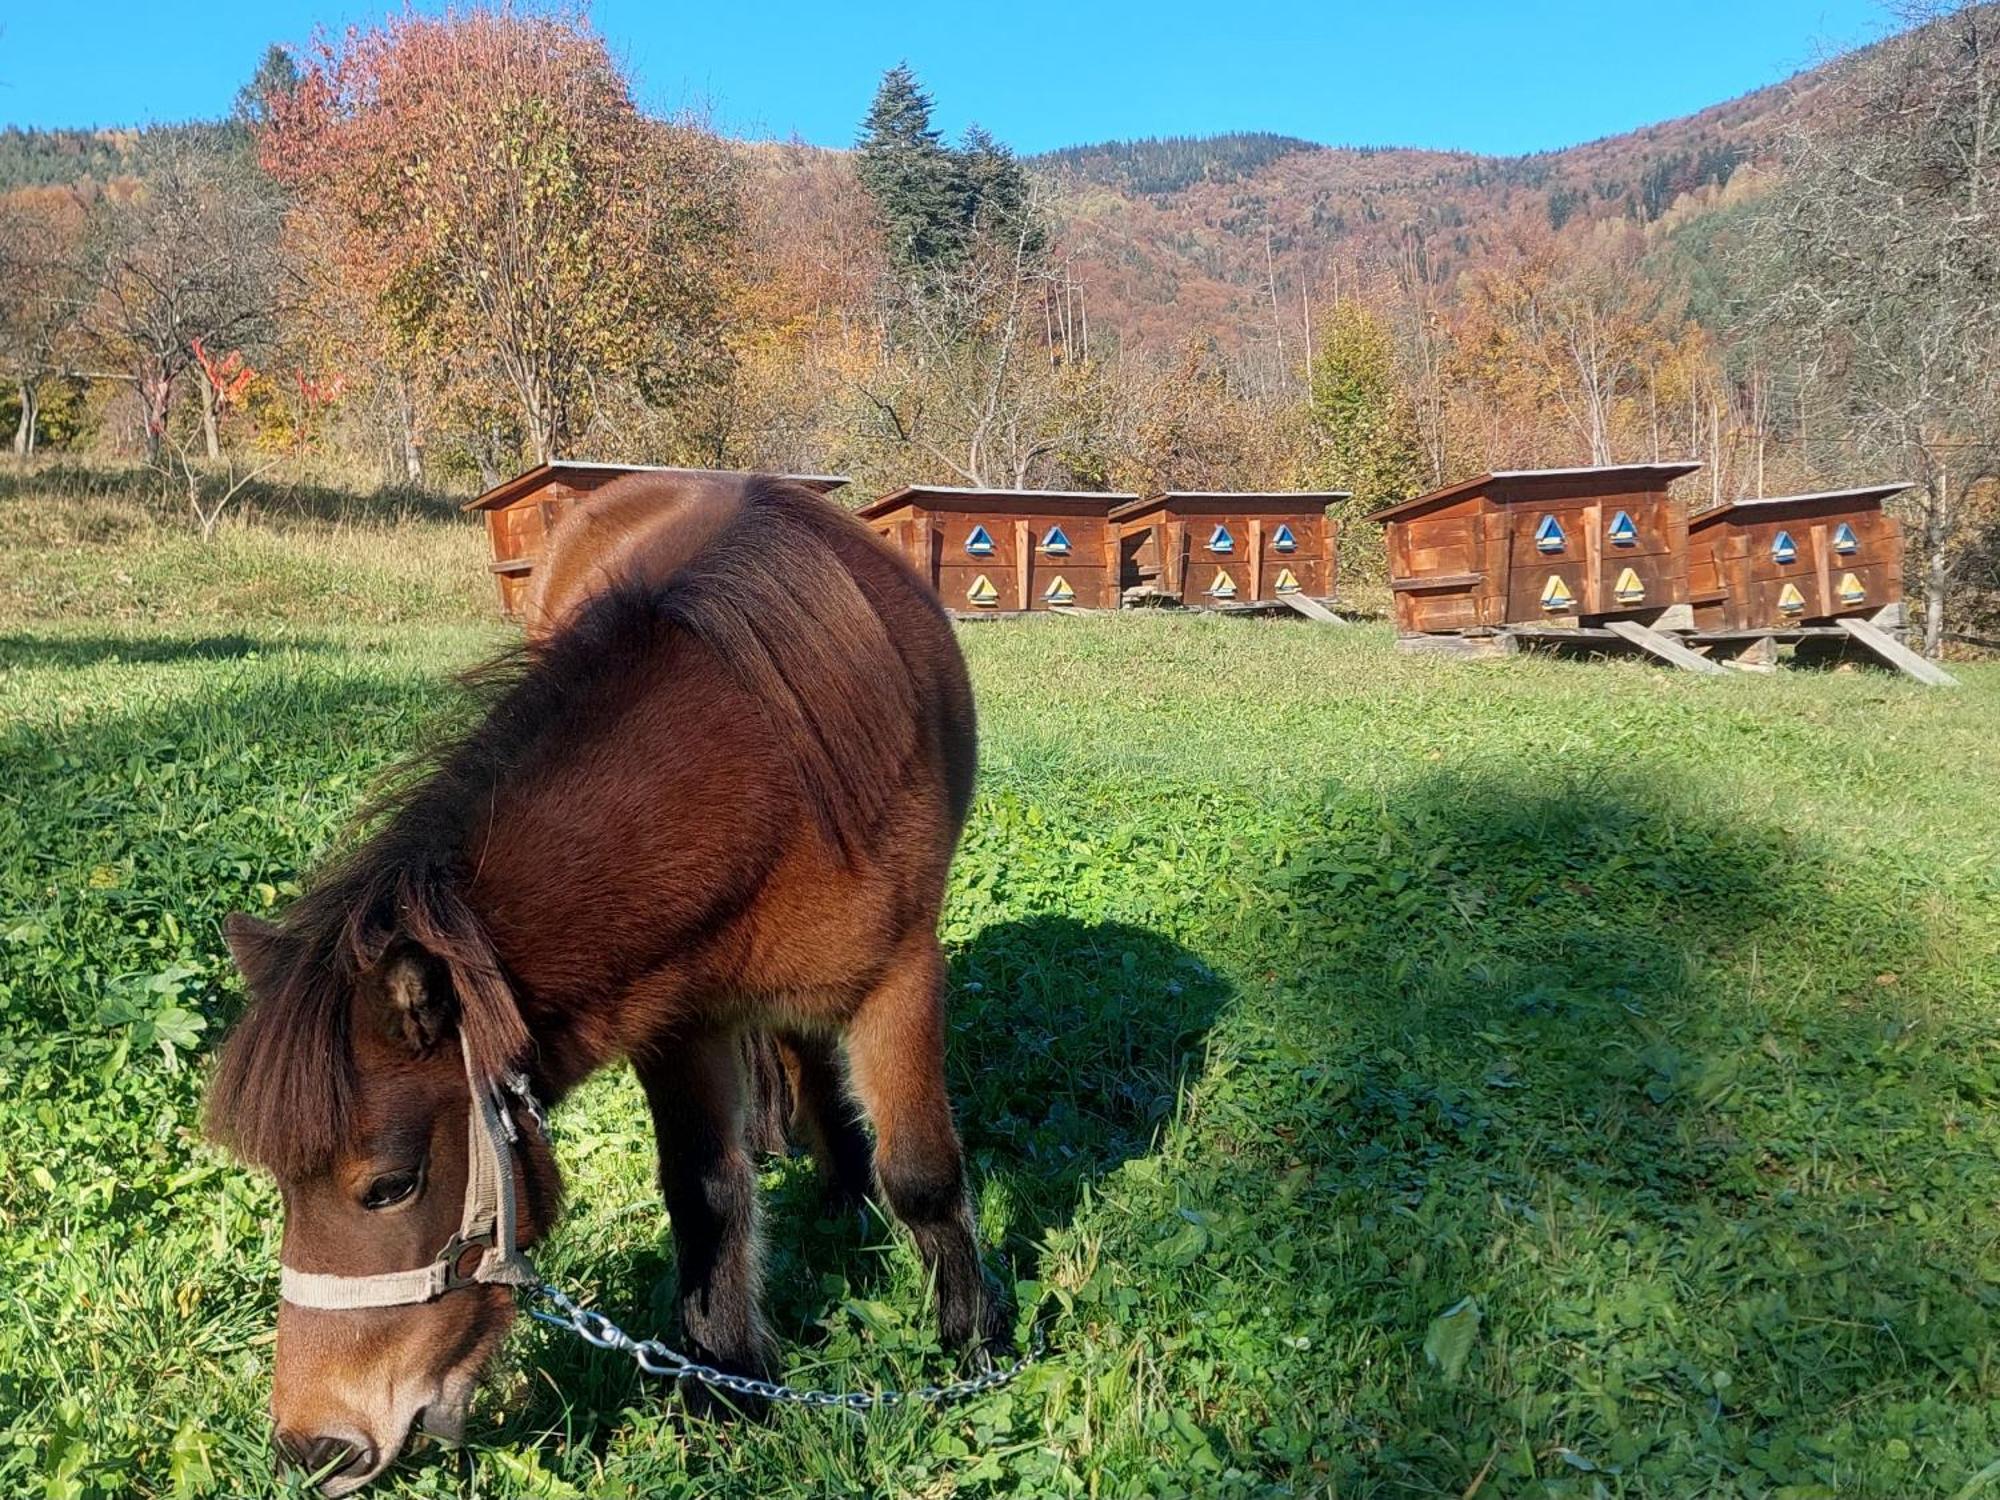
x=656 y=1358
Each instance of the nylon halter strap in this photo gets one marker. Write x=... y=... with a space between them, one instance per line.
x=488 y=1224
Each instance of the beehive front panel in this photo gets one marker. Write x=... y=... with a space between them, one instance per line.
x=1784 y=583
x=1292 y=551
x=1222 y=565
x=1071 y=562
x=1594 y=556
x=992 y=563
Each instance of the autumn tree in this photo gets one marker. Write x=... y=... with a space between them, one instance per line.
x=1884 y=234
x=1187 y=423
x=185 y=259
x=1364 y=426
x=1359 y=412
x=39 y=231
x=523 y=232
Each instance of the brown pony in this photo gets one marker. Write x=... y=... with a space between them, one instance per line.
x=719 y=792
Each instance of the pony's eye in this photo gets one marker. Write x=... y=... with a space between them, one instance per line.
x=389 y=1189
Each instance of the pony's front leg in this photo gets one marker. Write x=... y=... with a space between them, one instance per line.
x=696 y=1090
x=895 y=1055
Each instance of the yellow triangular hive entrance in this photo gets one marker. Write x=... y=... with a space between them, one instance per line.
x=1851 y=591
x=1628 y=589
x=1059 y=591
x=982 y=592
x=1556 y=594
x=1287 y=583
x=1224 y=586
x=1790 y=600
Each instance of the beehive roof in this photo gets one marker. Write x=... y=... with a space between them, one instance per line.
x=966 y=497
x=1749 y=509
x=1245 y=499
x=1639 y=474
x=530 y=480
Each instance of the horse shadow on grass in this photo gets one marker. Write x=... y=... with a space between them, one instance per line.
x=272 y=498
x=31 y=649
x=1071 y=1044
x=1621 y=1068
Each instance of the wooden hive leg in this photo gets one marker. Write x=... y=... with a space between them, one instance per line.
x=1897 y=655
x=1663 y=646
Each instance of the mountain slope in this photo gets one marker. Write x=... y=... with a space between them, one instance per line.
x=1179 y=236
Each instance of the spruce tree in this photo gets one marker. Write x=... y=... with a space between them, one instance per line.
x=918 y=184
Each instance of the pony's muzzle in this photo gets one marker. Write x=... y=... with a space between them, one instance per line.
x=338 y=1461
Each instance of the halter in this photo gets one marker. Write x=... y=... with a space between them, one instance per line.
x=488 y=1224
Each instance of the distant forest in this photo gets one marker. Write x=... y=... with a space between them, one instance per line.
x=1166 y=164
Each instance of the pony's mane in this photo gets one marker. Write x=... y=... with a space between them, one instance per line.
x=770 y=598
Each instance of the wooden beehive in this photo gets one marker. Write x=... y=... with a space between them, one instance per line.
x=521 y=513
x=1540 y=548
x=996 y=552
x=1215 y=549
x=1794 y=559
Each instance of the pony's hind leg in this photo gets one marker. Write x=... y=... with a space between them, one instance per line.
x=895 y=1051
x=830 y=1120
x=695 y=1088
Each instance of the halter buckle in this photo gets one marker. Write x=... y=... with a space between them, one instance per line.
x=455 y=1248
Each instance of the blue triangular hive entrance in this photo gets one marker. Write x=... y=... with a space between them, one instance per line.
x=1783 y=548
x=1623 y=533
x=1549 y=535
x=1221 y=541
x=1844 y=540
x=1282 y=539
x=1056 y=543
x=980 y=543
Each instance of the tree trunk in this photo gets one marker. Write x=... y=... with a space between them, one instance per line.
x=155 y=397
x=1937 y=577
x=210 y=436
x=24 y=433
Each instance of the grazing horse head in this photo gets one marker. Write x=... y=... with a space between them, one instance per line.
x=351 y=1080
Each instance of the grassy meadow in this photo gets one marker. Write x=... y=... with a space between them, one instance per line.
x=1388 y=1077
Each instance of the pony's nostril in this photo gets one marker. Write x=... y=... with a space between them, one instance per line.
x=323 y=1457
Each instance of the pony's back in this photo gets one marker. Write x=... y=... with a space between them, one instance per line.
x=826 y=626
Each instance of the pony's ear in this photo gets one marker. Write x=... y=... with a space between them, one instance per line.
x=250 y=940
x=412 y=995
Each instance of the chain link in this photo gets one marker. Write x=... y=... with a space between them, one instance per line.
x=656 y=1358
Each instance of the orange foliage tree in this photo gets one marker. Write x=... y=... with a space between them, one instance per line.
x=523 y=233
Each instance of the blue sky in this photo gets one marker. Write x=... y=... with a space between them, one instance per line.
x=1481 y=75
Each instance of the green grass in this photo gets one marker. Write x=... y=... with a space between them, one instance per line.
x=1391 y=1077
